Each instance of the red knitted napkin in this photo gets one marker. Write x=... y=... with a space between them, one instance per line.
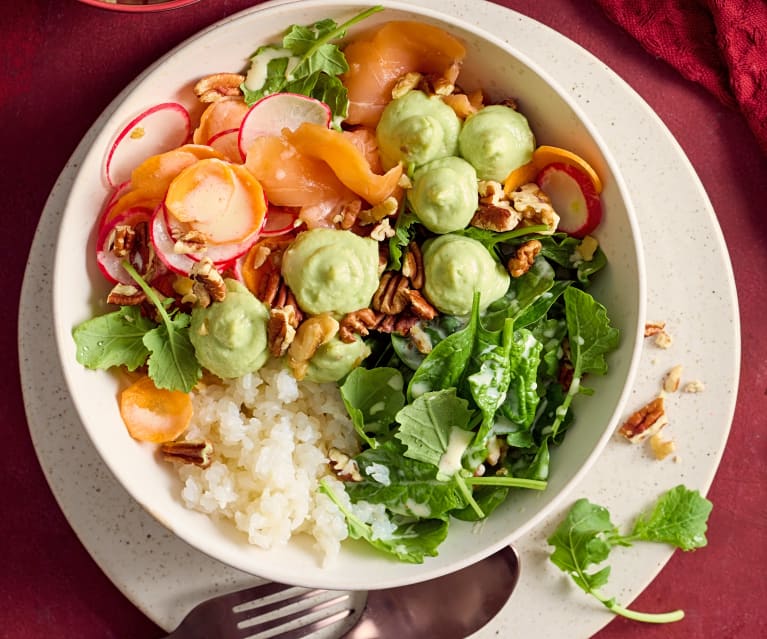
x=721 y=44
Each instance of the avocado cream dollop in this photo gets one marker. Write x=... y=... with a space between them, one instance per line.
x=415 y=129
x=229 y=337
x=455 y=267
x=335 y=359
x=331 y=271
x=444 y=194
x=496 y=140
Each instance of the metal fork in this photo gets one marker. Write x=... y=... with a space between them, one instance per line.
x=273 y=610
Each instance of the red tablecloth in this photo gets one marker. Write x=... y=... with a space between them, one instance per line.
x=62 y=62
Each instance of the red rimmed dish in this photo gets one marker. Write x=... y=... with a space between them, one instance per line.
x=138 y=6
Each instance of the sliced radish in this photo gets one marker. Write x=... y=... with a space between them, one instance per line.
x=279 y=221
x=164 y=244
x=272 y=114
x=109 y=263
x=227 y=144
x=573 y=197
x=159 y=128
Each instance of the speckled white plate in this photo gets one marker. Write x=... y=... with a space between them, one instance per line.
x=165 y=577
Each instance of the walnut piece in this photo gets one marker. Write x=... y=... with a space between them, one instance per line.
x=379 y=212
x=208 y=285
x=382 y=231
x=280 y=330
x=218 y=87
x=495 y=218
x=405 y=84
x=524 y=257
x=663 y=340
x=190 y=242
x=645 y=422
x=198 y=453
x=310 y=335
x=695 y=386
x=535 y=207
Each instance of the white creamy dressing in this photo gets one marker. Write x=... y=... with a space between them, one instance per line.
x=418 y=509
x=380 y=473
x=450 y=462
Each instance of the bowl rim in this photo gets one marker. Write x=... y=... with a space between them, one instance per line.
x=63 y=335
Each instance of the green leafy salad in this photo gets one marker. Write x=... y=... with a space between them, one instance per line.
x=451 y=433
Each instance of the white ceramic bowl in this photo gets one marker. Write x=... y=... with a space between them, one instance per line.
x=79 y=287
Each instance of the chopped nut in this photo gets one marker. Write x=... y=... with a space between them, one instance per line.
x=358 y=323
x=672 y=378
x=461 y=104
x=344 y=467
x=218 y=86
x=663 y=340
x=348 y=213
x=661 y=447
x=695 y=386
x=392 y=295
x=208 y=284
x=198 y=453
x=421 y=339
x=280 y=330
x=382 y=231
x=524 y=258
x=122 y=239
x=405 y=84
x=535 y=207
x=420 y=307
x=495 y=218
x=310 y=335
x=190 y=242
x=404 y=182
x=645 y=422
x=379 y=212
x=258 y=256
x=412 y=265
x=404 y=322
x=653 y=328
x=126 y=295
x=491 y=192
x=587 y=247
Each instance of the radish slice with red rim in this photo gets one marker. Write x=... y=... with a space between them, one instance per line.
x=164 y=244
x=573 y=197
x=279 y=222
x=160 y=128
x=227 y=144
x=110 y=263
x=275 y=112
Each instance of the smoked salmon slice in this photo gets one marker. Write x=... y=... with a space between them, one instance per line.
x=379 y=58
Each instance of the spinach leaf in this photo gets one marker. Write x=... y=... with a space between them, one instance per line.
x=406 y=487
x=491 y=239
x=522 y=396
x=372 y=398
x=523 y=292
x=411 y=541
x=445 y=366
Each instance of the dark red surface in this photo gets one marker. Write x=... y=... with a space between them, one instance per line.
x=62 y=62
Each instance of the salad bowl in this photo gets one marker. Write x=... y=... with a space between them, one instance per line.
x=78 y=286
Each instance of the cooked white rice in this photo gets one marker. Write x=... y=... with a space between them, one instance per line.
x=270 y=436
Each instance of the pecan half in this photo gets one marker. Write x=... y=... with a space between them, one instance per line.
x=218 y=86
x=412 y=265
x=358 y=323
x=198 y=453
x=122 y=239
x=420 y=307
x=126 y=295
x=524 y=258
x=392 y=295
x=645 y=422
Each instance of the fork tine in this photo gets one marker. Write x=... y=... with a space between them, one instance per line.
x=295 y=613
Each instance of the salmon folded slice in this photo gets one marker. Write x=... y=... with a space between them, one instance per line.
x=379 y=58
